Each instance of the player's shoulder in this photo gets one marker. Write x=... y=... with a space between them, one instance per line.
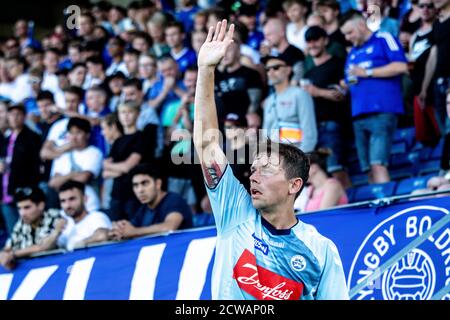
x=313 y=239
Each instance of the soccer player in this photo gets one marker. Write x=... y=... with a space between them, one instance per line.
x=263 y=251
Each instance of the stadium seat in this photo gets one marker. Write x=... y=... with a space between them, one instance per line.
x=431 y=166
x=374 y=191
x=407 y=186
x=359 y=179
x=406 y=135
x=350 y=194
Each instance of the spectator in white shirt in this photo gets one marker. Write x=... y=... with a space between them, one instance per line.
x=83 y=227
x=18 y=88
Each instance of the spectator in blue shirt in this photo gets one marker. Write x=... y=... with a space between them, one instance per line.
x=161 y=211
x=186 y=12
x=373 y=72
x=175 y=35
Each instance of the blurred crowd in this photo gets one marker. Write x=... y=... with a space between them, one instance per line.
x=92 y=117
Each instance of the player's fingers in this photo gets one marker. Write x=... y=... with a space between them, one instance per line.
x=230 y=32
x=217 y=31
x=210 y=34
x=223 y=30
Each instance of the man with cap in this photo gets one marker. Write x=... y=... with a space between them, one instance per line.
x=19 y=163
x=289 y=115
x=331 y=111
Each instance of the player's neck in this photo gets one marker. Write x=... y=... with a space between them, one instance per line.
x=280 y=218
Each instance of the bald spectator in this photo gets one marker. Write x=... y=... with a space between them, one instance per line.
x=275 y=35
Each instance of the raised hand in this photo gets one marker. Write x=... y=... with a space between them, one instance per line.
x=216 y=44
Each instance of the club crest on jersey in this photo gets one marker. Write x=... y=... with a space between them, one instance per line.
x=260 y=245
x=298 y=263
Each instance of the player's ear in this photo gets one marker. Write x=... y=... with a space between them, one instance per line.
x=295 y=185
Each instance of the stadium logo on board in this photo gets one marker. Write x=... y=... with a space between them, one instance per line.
x=298 y=263
x=419 y=273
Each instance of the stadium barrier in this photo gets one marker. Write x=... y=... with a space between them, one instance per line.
x=389 y=251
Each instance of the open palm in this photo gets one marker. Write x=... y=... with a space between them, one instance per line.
x=216 y=44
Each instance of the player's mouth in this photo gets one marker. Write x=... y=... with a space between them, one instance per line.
x=254 y=192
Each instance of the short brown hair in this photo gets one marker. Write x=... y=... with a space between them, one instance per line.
x=293 y=160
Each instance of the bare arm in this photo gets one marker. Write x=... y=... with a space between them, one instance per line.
x=124 y=166
x=58 y=180
x=332 y=193
x=206 y=128
x=430 y=69
x=390 y=70
x=100 y=235
x=50 y=151
x=124 y=229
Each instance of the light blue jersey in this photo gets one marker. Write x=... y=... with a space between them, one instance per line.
x=255 y=261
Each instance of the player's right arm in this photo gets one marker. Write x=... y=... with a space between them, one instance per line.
x=206 y=128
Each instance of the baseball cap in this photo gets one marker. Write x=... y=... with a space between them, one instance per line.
x=315 y=33
x=281 y=57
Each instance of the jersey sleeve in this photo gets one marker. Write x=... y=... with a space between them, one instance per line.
x=332 y=285
x=230 y=202
x=392 y=47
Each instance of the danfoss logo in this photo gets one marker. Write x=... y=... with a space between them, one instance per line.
x=264 y=284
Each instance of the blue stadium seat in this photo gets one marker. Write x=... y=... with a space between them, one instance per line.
x=359 y=179
x=407 y=186
x=407 y=135
x=350 y=194
x=375 y=191
x=436 y=153
x=431 y=166
x=399 y=147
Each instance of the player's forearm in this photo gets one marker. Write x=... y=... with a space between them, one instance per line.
x=205 y=118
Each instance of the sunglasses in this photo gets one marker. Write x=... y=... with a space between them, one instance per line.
x=24 y=191
x=274 y=67
x=428 y=6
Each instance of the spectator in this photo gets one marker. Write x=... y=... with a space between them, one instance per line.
x=30 y=103
x=83 y=227
x=275 y=35
x=200 y=20
x=115 y=84
x=74 y=55
x=112 y=130
x=77 y=74
x=438 y=64
x=178 y=122
x=329 y=10
x=126 y=153
x=175 y=37
x=410 y=23
x=198 y=37
x=239 y=87
x=168 y=88
x=186 y=12
x=289 y=115
x=160 y=211
x=82 y=163
x=420 y=47
x=131 y=60
x=445 y=158
x=18 y=88
x=132 y=91
x=296 y=11
x=324 y=78
x=86 y=27
x=36 y=231
x=382 y=22
x=57 y=142
x=4 y=126
x=51 y=63
x=97 y=108
x=116 y=49
x=247 y=16
x=237 y=148
x=11 y=48
x=142 y=42
x=20 y=162
x=48 y=113
x=156 y=26
x=376 y=63
x=96 y=72
x=147 y=71
x=325 y=192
